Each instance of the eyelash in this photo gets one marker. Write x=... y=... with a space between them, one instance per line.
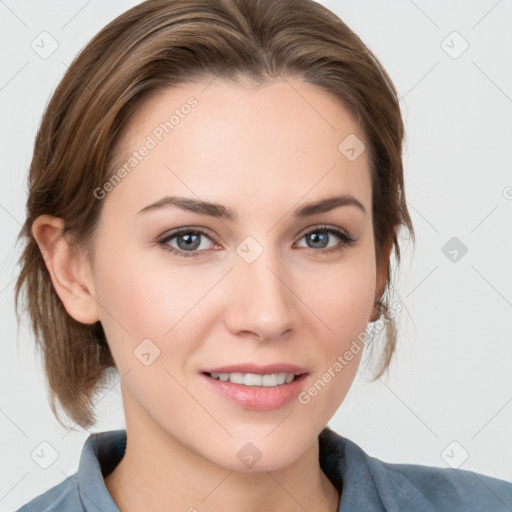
x=347 y=241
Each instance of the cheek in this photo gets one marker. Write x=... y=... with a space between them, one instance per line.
x=343 y=301
x=342 y=293
x=138 y=301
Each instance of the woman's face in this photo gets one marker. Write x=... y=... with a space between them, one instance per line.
x=263 y=287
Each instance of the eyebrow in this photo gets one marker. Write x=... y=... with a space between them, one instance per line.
x=222 y=212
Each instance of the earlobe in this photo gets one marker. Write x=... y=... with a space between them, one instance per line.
x=68 y=272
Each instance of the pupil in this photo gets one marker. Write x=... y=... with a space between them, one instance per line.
x=318 y=238
x=192 y=241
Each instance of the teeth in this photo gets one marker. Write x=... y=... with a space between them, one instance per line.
x=253 y=379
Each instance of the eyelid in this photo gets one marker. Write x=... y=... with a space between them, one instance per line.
x=346 y=239
x=323 y=227
x=169 y=235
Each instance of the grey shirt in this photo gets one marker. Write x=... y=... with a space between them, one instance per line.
x=364 y=482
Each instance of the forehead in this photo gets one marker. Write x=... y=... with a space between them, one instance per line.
x=216 y=141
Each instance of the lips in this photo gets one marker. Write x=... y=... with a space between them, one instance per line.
x=257 y=369
x=251 y=395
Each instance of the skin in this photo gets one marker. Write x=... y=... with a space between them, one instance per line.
x=261 y=151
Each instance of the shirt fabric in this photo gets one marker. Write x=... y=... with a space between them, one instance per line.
x=365 y=483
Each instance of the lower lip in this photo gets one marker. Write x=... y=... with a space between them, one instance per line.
x=258 y=398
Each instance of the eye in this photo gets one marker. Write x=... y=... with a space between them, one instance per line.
x=320 y=236
x=189 y=241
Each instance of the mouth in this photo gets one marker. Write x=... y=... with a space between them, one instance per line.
x=257 y=388
x=250 y=374
x=254 y=379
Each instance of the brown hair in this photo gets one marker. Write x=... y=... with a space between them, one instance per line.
x=162 y=43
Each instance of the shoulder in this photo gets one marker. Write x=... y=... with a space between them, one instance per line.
x=382 y=486
x=438 y=488
x=85 y=489
x=62 y=497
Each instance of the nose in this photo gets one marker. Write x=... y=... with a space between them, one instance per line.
x=261 y=301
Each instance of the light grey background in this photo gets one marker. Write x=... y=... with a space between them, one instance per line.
x=449 y=392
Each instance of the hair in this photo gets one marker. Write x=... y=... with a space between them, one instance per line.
x=160 y=44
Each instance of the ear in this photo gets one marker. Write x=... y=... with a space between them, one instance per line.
x=382 y=273
x=69 y=271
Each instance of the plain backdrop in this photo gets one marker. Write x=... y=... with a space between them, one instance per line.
x=448 y=397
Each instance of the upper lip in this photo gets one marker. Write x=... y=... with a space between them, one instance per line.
x=266 y=369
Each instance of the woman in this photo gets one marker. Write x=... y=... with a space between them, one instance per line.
x=215 y=192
